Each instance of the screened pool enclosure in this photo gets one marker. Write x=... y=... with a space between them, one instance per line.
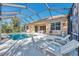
x=39 y=29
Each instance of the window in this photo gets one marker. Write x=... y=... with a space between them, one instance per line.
x=55 y=26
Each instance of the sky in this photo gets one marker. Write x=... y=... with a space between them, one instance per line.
x=37 y=8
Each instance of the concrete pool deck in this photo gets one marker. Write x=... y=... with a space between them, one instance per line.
x=26 y=47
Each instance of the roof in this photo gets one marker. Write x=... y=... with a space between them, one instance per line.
x=50 y=18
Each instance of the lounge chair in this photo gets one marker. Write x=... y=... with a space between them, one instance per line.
x=70 y=46
x=44 y=45
x=61 y=40
x=63 y=49
x=6 y=45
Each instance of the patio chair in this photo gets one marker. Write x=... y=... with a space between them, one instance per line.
x=6 y=45
x=61 y=40
x=63 y=48
x=50 y=40
x=43 y=45
x=70 y=46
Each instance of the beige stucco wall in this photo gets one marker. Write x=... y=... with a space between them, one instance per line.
x=41 y=23
x=64 y=26
x=63 y=21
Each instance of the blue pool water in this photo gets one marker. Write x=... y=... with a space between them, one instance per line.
x=19 y=36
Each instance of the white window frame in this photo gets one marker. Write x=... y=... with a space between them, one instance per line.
x=56 y=25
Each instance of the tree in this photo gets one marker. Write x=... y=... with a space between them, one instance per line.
x=16 y=24
x=6 y=28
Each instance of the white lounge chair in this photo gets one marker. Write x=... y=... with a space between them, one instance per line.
x=59 y=39
x=70 y=46
x=63 y=40
x=43 y=45
x=66 y=48
x=50 y=40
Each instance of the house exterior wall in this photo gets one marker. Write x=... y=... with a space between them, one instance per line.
x=41 y=23
x=47 y=23
x=64 y=26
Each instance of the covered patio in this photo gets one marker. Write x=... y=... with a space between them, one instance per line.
x=43 y=39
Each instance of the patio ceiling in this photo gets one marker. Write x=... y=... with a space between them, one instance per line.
x=30 y=12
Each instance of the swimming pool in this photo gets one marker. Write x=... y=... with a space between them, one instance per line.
x=19 y=36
